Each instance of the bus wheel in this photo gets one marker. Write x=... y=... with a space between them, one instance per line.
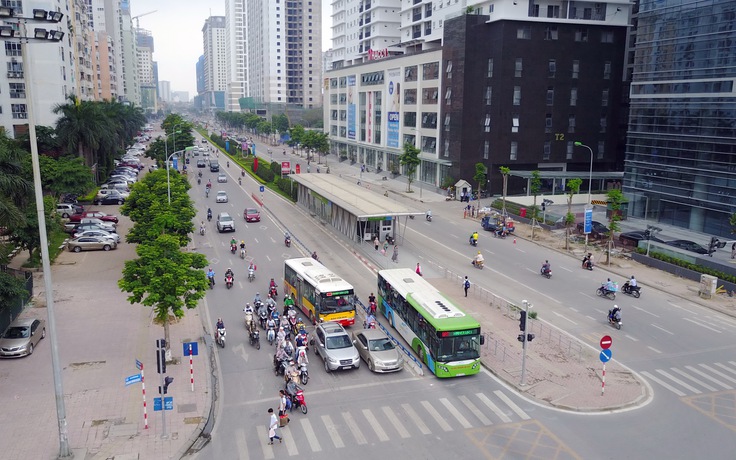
x=391 y=320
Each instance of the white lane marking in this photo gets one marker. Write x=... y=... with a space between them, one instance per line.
x=472 y=408
x=529 y=269
x=290 y=442
x=416 y=419
x=725 y=368
x=708 y=377
x=263 y=437
x=242 y=445
x=664 y=384
x=662 y=329
x=565 y=318
x=382 y=436
x=311 y=437
x=678 y=381
x=631 y=338
x=456 y=413
x=240 y=284
x=681 y=308
x=332 y=431
x=268 y=257
x=566 y=269
x=521 y=250
x=357 y=434
x=511 y=404
x=574 y=309
x=654 y=349
x=504 y=418
x=693 y=379
x=436 y=416
x=645 y=311
x=590 y=317
x=718 y=373
x=702 y=325
x=398 y=426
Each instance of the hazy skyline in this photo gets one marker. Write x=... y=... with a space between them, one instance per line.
x=176 y=27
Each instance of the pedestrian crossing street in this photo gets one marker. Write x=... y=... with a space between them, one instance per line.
x=696 y=379
x=381 y=424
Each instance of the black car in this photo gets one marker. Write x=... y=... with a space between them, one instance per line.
x=597 y=230
x=201 y=163
x=110 y=198
x=688 y=246
x=633 y=238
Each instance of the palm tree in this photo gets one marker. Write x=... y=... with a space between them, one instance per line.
x=83 y=128
x=14 y=188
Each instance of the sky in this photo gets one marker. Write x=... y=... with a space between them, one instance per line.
x=176 y=27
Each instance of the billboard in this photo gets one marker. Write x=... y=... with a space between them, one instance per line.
x=352 y=94
x=393 y=91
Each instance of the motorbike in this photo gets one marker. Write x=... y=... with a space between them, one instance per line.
x=242 y=253
x=631 y=290
x=297 y=396
x=473 y=241
x=604 y=292
x=273 y=292
x=220 y=337
x=271 y=335
x=229 y=281
x=251 y=275
x=262 y=317
x=240 y=181
x=287 y=241
x=242 y=173
x=199 y=174
x=280 y=365
x=199 y=181
x=304 y=373
x=615 y=322
x=233 y=248
x=209 y=216
x=477 y=264
x=546 y=272
x=201 y=230
x=212 y=281
x=248 y=320
x=428 y=217
x=255 y=338
x=587 y=264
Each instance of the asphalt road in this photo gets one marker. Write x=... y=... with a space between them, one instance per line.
x=683 y=350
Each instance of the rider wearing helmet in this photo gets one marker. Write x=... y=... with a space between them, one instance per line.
x=220 y=324
x=257 y=298
x=478 y=258
x=615 y=312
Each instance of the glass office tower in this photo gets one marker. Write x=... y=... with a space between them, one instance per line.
x=680 y=166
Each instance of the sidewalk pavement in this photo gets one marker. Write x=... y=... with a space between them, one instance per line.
x=100 y=337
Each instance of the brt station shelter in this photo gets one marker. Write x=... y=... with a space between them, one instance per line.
x=356 y=211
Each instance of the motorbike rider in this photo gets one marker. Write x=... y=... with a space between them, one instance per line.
x=257 y=298
x=608 y=286
x=314 y=256
x=301 y=356
x=202 y=228
x=209 y=183
x=287 y=238
x=546 y=267
x=291 y=372
x=281 y=336
x=475 y=237
x=229 y=272
x=209 y=214
x=632 y=282
x=615 y=313
x=270 y=303
x=211 y=275
x=588 y=261
x=220 y=324
x=478 y=260
x=272 y=284
x=370 y=322
x=288 y=301
x=428 y=214
x=242 y=245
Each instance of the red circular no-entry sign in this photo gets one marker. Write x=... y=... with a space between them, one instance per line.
x=606 y=342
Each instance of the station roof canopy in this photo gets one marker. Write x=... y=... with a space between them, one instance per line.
x=356 y=199
x=547 y=174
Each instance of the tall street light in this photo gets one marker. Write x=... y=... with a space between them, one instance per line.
x=8 y=32
x=590 y=176
x=168 y=157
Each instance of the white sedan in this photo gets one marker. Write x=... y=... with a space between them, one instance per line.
x=221 y=197
x=221 y=178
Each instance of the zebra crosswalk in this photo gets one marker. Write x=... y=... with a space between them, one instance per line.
x=695 y=379
x=382 y=423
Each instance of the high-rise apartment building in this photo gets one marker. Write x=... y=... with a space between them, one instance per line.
x=164 y=90
x=215 y=68
x=236 y=51
x=680 y=164
x=146 y=75
x=129 y=55
x=363 y=26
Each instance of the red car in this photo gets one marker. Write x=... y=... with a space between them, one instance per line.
x=93 y=215
x=251 y=215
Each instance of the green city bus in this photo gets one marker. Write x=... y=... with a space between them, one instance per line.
x=446 y=339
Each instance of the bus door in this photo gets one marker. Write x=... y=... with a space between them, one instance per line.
x=387 y=227
x=299 y=286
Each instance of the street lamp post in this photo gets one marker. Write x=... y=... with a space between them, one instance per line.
x=48 y=36
x=168 y=157
x=590 y=176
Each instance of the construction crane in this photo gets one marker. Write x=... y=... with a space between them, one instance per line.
x=137 y=21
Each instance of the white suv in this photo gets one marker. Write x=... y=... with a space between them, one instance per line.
x=225 y=223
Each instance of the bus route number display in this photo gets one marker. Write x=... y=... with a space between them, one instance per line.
x=443 y=334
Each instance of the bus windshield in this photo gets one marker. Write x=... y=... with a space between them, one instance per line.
x=336 y=304
x=458 y=349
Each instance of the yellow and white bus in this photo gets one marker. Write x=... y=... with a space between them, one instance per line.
x=319 y=292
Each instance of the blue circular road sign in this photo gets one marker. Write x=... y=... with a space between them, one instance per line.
x=606 y=355
x=263 y=189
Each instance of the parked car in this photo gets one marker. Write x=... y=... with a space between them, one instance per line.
x=688 y=246
x=114 y=190
x=633 y=238
x=98 y=233
x=221 y=178
x=221 y=197
x=377 y=350
x=91 y=243
x=76 y=228
x=110 y=226
x=93 y=215
x=251 y=215
x=21 y=337
x=67 y=210
x=597 y=230
x=334 y=346
x=225 y=222
x=111 y=197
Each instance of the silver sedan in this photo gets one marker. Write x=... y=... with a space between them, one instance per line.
x=378 y=351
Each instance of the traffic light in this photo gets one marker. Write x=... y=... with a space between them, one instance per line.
x=529 y=337
x=161 y=356
x=712 y=246
x=520 y=338
x=544 y=206
x=522 y=321
x=165 y=389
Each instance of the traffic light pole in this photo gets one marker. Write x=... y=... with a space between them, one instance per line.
x=161 y=362
x=522 y=324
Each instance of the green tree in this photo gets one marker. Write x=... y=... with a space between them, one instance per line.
x=535 y=188
x=409 y=160
x=573 y=187
x=15 y=186
x=280 y=123
x=83 y=129
x=26 y=235
x=296 y=133
x=615 y=200
x=505 y=171
x=64 y=174
x=732 y=221
x=46 y=141
x=166 y=278
x=481 y=173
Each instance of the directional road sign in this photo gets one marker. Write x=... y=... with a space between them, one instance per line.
x=130 y=380
x=195 y=350
x=262 y=188
x=606 y=342
x=138 y=364
x=606 y=355
x=588 y=221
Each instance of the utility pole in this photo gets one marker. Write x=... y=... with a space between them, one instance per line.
x=524 y=338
